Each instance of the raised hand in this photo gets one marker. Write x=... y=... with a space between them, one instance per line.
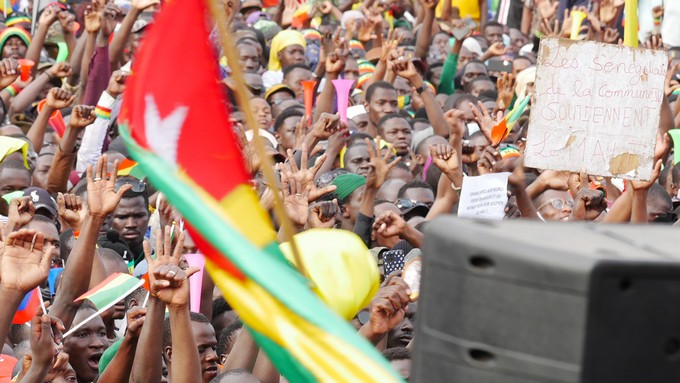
x=445 y=158
x=21 y=212
x=101 y=197
x=92 y=19
x=108 y=19
x=305 y=176
x=611 y=36
x=485 y=120
x=506 y=90
x=60 y=70
x=497 y=49
x=393 y=40
x=379 y=167
x=645 y=185
x=389 y=224
x=326 y=7
x=9 y=72
x=301 y=130
x=71 y=210
x=141 y=5
x=171 y=285
x=655 y=43
x=295 y=197
x=490 y=156
x=135 y=321
x=25 y=262
x=388 y=306
x=58 y=98
x=517 y=179
x=335 y=63
x=588 y=204
x=117 y=83
x=46 y=335
x=546 y=8
x=67 y=21
x=607 y=11
x=327 y=125
x=165 y=255
x=550 y=29
x=405 y=68
x=82 y=116
x=48 y=16
x=323 y=215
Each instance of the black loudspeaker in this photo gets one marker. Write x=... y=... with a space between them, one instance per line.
x=535 y=302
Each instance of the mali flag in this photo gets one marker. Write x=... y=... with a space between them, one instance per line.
x=176 y=127
x=501 y=131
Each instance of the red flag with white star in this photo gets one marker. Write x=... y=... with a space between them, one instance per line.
x=174 y=105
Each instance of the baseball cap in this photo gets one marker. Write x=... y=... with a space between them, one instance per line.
x=410 y=208
x=43 y=202
x=277 y=88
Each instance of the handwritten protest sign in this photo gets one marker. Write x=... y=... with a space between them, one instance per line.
x=596 y=107
x=484 y=196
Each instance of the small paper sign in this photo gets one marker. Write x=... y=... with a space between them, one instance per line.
x=596 y=107
x=484 y=196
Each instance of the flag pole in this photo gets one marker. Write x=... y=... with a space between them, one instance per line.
x=243 y=102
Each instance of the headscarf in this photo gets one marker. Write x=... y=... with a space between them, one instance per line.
x=523 y=79
x=351 y=15
x=280 y=42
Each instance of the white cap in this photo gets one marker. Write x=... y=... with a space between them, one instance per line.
x=356 y=110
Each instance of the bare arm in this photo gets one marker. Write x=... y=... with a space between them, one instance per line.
x=121 y=37
x=48 y=16
x=102 y=200
x=244 y=353
x=527 y=16
x=425 y=35
x=148 y=366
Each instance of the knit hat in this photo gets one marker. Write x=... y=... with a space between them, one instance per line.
x=17 y=18
x=347 y=183
x=365 y=66
x=14 y=32
x=312 y=35
x=282 y=40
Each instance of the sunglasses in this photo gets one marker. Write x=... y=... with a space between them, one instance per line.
x=557 y=203
x=137 y=187
x=403 y=203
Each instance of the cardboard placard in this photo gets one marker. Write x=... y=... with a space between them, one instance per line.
x=596 y=107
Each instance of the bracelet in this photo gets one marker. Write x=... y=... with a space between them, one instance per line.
x=455 y=188
x=421 y=89
x=13 y=90
x=47 y=73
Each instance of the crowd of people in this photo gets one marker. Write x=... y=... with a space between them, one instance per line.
x=430 y=81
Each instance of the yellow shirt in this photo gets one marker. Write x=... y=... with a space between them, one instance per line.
x=468 y=8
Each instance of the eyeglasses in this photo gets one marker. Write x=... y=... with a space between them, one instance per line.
x=403 y=203
x=557 y=203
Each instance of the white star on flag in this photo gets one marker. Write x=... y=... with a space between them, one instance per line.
x=162 y=135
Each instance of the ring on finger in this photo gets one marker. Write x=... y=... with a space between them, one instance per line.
x=97 y=179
